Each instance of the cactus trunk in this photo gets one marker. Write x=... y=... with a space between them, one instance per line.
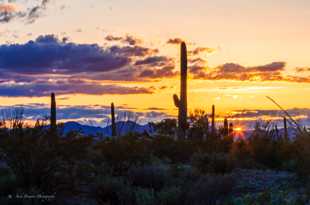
x=213 y=121
x=113 y=127
x=181 y=102
x=53 y=122
x=285 y=128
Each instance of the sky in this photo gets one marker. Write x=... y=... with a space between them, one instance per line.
x=94 y=52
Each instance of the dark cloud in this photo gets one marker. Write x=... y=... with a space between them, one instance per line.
x=165 y=72
x=8 y=11
x=47 y=54
x=36 y=11
x=232 y=71
x=128 y=39
x=302 y=69
x=175 y=41
x=200 y=50
x=131 y=40
x=62 y=87
x=155 y=61
x=113 y=38
x=132 y=51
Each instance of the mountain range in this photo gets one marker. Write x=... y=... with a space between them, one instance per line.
x=122 y=128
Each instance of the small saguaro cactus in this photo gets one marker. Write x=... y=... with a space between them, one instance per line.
x=226 y=128
x=285 y=128
x=181 y=103
x=213 y=120
x=113 y=127
x=231 y=128
x=53 y=122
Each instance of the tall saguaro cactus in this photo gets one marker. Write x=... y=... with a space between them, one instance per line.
x=181 y=102
x=113 y=120
x=213 y=120
x=285 y=128
x=53 y=122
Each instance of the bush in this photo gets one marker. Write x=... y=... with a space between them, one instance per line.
x=177 y=151
x=122 y=154
x=303 y=154
x=151 y=177
x=169 y=196
x=209 y=190
x=211 y=163
x=112 y=190
x=145 y=197
x=8 y=182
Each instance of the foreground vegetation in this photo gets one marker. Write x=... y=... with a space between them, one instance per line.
x=40 y=166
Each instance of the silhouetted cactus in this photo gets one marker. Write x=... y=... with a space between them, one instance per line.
x=226 y=128
x=213 y=120
x=231 y=128
x=181 y=102
x=53 y=122
x=113 y=127
x=285 y=128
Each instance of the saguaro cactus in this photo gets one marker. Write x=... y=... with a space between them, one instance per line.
x=181 y=102
x=231 y=128
x=213 y=120
x=285 y=128
x=226 y=128
x=113 y=120
x=53 y=122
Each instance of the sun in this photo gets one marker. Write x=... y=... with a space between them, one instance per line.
x=238 y=129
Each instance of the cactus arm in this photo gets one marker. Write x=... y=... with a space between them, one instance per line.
x=176 y=100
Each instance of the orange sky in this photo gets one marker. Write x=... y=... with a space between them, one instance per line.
x=247 y=33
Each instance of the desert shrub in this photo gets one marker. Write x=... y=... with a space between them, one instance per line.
x=209 y=190
x=271 y=197
x=241 y=156
x=211 y=163
x=176 y=151
x=166 y=127
x=268 y=148
x=122 y=154
x=41 y=159
x=145 y=197
x=169 y=196
x=8 y=183
x=113 y=190
x=303 y=153
x=152 y=177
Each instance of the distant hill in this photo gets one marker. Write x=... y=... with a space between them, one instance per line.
x=122 y=128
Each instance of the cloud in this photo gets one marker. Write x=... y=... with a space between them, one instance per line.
x=155 y=61
x=132 y=51
x=174 y=41
x=36 y=11
x=47 y=54
x=302 y=69
x=62 y=87
x=9 y=12
x=165 y=72
x=231 y=71
x=113 y=38
x=128 y=39
x=96 y=115
x=200 y=50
